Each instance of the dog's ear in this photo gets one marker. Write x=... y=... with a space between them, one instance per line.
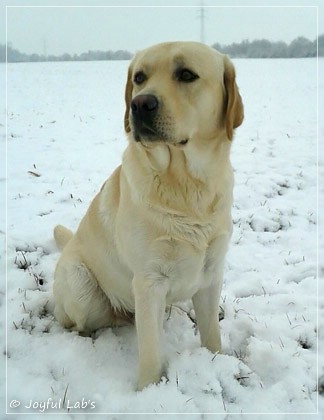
x=128 y=98
x=234 y=112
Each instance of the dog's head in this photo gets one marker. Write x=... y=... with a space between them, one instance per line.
x=181 y=92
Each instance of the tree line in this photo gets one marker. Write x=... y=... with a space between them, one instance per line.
x=260 y=48
x=15 y=56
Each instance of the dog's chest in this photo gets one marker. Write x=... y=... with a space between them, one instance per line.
x=188 y=269
x=185 y=257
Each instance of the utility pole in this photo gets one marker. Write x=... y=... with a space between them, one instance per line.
x=202 y=22
x=45 y=48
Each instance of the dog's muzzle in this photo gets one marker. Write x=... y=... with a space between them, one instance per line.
x=144 y=111
x=147 y=124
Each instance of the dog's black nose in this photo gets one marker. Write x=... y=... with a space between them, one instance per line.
x=144 y=105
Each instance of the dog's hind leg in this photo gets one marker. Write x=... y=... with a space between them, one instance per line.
x=80 y=303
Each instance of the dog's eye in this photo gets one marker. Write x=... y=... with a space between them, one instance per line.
x=185 y=75
x=139 y=77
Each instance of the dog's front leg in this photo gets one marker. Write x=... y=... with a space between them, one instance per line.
x=206 y=300
x=149 y=312
x=206 y=305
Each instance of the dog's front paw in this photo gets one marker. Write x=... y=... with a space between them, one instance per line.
x=148 y=379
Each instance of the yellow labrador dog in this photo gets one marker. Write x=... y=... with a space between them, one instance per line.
x=158 y=230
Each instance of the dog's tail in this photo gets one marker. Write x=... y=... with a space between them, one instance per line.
x=62 y=235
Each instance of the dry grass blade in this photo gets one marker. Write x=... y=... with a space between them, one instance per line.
x=65 y=393
x=34 y=173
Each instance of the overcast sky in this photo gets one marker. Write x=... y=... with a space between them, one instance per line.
x=56 y=30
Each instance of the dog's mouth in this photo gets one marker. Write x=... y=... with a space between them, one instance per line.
x=182 y=142
x=143 y=131
x=150 y=141
x=147 y=135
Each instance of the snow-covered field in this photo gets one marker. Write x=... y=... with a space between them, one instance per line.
x=65 y=136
